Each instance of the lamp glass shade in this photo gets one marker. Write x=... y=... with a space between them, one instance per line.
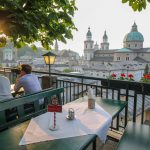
x=49 y=60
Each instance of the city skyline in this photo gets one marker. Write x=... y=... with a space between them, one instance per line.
x=113 y=16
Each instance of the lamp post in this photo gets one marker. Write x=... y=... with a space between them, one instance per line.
x=49 y=59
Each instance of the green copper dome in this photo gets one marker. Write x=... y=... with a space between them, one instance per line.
x=89 y=32
x=134 y=35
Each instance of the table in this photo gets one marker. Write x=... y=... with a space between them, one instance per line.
x=11 y=137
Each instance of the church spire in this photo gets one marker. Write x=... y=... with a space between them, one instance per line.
x=105 y=44
x=134 y=28
x=96 y=46
x=56 y=46
x=89 y=34
x=105 y=37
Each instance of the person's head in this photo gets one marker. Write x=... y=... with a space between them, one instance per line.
x=25 y=69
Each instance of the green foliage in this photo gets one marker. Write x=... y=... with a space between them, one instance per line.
x=2 y=41
x=67 y=70
x=145 y=80
x=29 y=21
x=137 y=5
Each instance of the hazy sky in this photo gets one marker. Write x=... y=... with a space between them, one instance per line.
x=110 y=15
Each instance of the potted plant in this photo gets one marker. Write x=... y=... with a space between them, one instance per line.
x=114 y=82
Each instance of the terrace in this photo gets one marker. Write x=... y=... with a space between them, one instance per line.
x=136 y=94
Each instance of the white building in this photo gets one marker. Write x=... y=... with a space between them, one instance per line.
x=132 y=48
x=9 y=55
x=100 y=61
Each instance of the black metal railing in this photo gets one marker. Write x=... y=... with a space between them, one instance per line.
x=137 y=94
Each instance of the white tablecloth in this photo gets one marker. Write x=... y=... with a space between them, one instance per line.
x=87 y=121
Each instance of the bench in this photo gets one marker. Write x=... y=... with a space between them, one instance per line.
x=136 y=137
x=19 y=110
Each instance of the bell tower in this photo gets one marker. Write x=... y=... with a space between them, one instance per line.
x=105 y=44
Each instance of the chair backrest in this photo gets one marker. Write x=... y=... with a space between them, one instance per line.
x=16 y=110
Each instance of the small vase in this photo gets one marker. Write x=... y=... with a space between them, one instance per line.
x=91 y=103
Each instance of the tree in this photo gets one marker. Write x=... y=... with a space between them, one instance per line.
x=137 y=5
x=29 y=21
x=67 y=70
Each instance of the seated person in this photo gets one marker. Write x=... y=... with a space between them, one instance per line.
x=5 y=95
x=5 y=92
x=28 y=81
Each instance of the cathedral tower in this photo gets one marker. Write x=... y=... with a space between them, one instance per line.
x=88 y=46
x=105 y=44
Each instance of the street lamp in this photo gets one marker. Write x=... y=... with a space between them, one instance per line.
x=49 y=59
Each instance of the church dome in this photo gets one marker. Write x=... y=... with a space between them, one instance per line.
x=134 y=35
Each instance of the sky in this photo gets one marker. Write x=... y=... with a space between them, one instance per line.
x=110 y=15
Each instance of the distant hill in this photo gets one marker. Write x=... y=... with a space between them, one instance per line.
x=27 y=51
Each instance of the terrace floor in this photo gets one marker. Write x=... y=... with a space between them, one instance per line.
x=109 y=145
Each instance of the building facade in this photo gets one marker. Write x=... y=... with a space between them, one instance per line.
x=132 y=50
x=101 y=61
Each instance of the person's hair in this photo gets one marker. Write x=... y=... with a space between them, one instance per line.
x=26 y=68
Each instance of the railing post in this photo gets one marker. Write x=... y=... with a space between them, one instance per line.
x=143 y=104
x=134 y=108
x=82 y=85
x=126 y=108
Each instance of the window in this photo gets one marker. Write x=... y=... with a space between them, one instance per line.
x=127 y=58
x=118 y=58
x=129 y=45
x=135 y=45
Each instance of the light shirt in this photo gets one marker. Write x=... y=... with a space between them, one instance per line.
x=30 y=84
x=5 y=88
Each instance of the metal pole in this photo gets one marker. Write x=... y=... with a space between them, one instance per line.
x=49 y=73
x=49 y=70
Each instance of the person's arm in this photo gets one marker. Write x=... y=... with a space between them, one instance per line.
x=18 y=84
